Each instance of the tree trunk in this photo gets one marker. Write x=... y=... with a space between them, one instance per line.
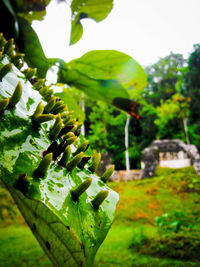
x=126 y=143
x=186 y=130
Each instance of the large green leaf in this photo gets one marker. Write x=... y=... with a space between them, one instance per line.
x=81 y=9
x=29 y=43
x=69 y=229
x=111 y=65
x=106 y=75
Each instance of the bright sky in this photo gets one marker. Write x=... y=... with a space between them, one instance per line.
x=143 y=29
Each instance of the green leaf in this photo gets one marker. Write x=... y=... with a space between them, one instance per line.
x=105 y=75
x=111 y=65
x=33 y=15
x=30 y=45
x=81 y=9
x=57 y=240
x=30 y=5
x=70 y=231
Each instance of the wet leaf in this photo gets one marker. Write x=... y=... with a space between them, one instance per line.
x=81 y=9
x=29 y=43
x=30 y=5
x=105 y=75
x=69 y=231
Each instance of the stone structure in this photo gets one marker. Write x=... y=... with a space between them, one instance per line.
x=169 y=153
x=125 y=175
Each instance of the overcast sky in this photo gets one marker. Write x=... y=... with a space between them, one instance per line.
x=144 y=29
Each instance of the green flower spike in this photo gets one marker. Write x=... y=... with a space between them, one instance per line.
x=68 y=135
x=9 y=47
x=3 y=104
x=96 y=158
x=15 y=98
x=2 y=41
x=44 y=117
x=4 y=70
x=65 y=156
x=74 y=162
x=49 y=106
x=44 y=165
x=60 y=109
x=67 y=118
x=57 y=105
x=83 y=147
x=99 y=199
x=56 y=130
x=29 y=73
x=57 y=127
x=39 y=84
x=107 y=174
x=39 y=110
x=80 y=189
x=71 y=140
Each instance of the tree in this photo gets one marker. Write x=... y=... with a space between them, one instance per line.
x=172 y=111
x=191 y=89
x=162 y=78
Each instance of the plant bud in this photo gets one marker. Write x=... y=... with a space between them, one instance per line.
x=15 y=98
x=9 y=46
x=2 y=41
x=83 y=147
x=107 y=174
x=74 y=162
x=71 y=140
x=99 y=199
x=56 y=130
x=4 y=70
x=80 y=189
x=96 y=158
x=44 y=165
x=39 y=110
x=65 y=157
x=49 y=106
x=39 y=84
x=65 y=130
x=3 y=104
x=60 y=109
x=68 y=135
x=29 y=73
x=44 y=117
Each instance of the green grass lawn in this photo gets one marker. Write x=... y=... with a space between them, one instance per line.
x=134 y=233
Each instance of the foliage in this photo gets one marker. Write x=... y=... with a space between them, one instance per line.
x=87 y=9
x=162 y=78
x=172 y=110
x=190 y=88
x=174 y=222
x=105 y=130
x=43 y=166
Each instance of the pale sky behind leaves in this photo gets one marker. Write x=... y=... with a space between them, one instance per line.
x=144 y=29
